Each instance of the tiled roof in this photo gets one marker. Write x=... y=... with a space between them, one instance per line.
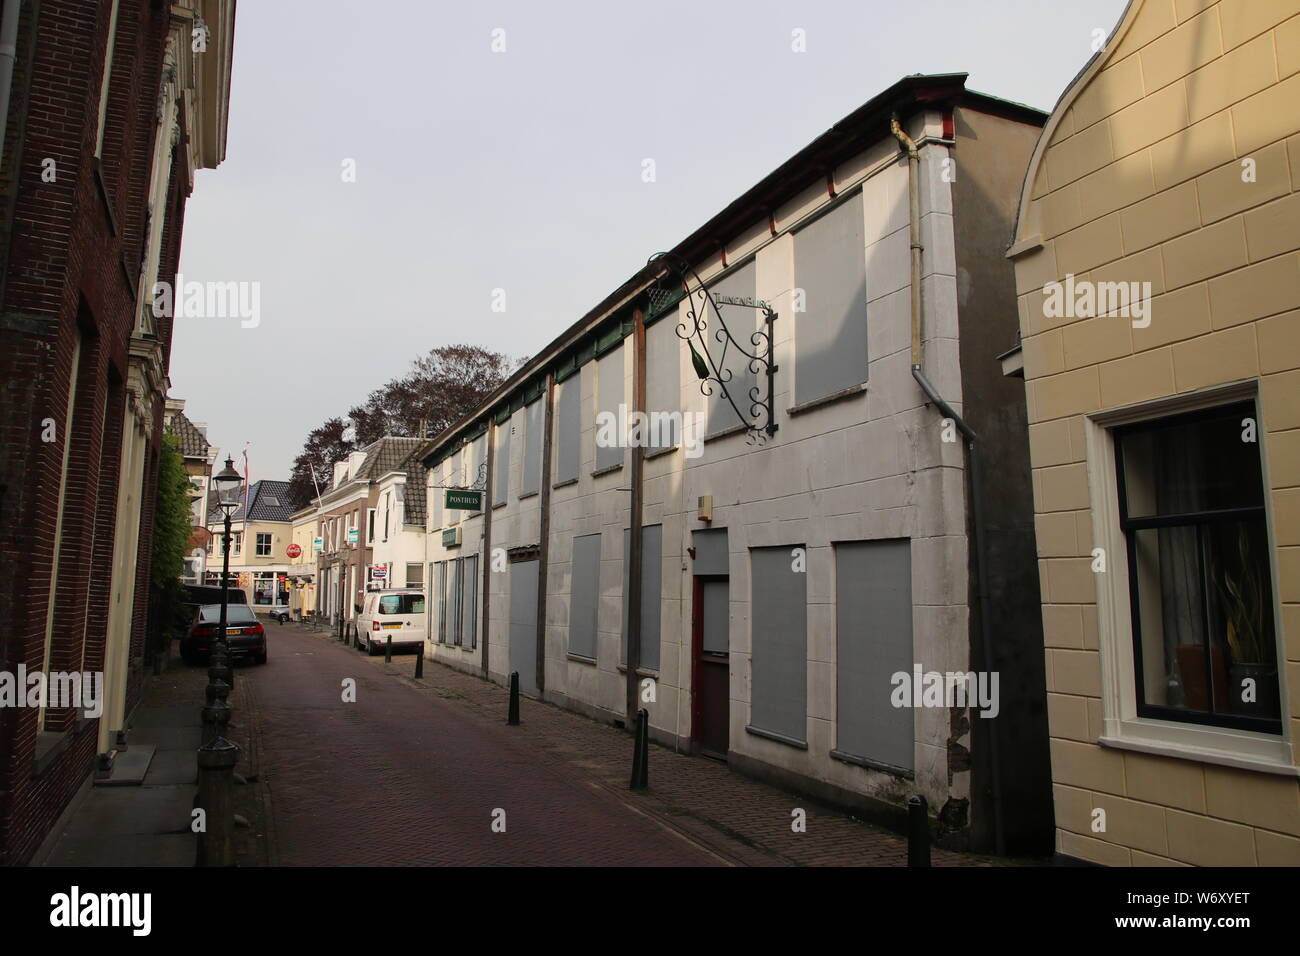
x=192 y=442
x=416 y=492
x=267 y=501
x=385 y=455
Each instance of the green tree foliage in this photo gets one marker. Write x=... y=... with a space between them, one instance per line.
x=171 y=536
x=439 y=389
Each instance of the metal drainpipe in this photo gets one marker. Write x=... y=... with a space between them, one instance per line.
x=972 y=459
x=8 y=55
x=635 y=531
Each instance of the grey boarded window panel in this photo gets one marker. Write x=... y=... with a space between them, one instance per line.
x=469 y=602
x=444 y=607
x=531 y=478
x=478 y=449
x=584 y=595
x=830 y=336
x=501 y=480
x=873 y=624
x=523 y=623
x=609 y=373
x=652 y=549
x=454 y=602
x=779 y=629
x=568 y=427
x=663 y=382
x=710 y=551
x=742 y=322
x=715 y=616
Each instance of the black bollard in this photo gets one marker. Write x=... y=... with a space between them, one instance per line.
x=216 y=690
x=419 y=664
x=216 y=845
x=513 y=718
x=216 y=718
x=641 y=752
x=388 y=650
x=223 y=674
x=918 y=832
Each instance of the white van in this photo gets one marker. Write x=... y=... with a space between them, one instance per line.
x=391 y=612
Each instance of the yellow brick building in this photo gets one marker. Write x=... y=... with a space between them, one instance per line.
x=1158 y=283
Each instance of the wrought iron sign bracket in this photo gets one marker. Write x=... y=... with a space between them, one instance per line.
x=480 y=483
x=760 y=423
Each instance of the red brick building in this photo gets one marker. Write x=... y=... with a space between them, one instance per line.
x=111 y=105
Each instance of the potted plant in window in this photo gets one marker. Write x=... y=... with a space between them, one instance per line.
x=1245 y=599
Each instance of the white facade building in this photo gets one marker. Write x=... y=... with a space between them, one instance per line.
x=786 y=577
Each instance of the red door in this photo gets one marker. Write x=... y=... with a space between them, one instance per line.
x=710 y=640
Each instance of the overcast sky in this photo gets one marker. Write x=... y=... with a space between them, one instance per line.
x=518 y=170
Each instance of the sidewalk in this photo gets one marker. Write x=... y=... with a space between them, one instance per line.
x=743 y=821
x=147 y=822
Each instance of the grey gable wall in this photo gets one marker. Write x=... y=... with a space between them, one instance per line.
x=993 y=154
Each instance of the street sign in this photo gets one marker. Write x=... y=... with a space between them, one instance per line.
x=317 y=544
x=352 y=535
x=293 y=550
x=461 y=500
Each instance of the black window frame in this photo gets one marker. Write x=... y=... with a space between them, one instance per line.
x=1130 y=526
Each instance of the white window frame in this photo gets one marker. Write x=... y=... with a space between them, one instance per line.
x=1122 y=728
x=257 y=544
x=370 y=526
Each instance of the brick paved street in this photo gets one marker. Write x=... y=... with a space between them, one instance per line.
x=402 y=777
x=411 y=773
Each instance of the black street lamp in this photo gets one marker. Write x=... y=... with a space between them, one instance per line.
x=226 y=483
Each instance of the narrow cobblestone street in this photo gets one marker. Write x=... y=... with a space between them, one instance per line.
x=402 y=777
x=412 y=772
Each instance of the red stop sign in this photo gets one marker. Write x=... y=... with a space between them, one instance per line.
x=293 y=550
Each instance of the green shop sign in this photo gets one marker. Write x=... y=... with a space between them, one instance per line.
x=464 y=500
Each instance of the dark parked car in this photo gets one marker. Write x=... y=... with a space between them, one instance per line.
x=244 y=634
x=198 y=595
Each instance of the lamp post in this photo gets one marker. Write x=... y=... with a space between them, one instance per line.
x=227 y=483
